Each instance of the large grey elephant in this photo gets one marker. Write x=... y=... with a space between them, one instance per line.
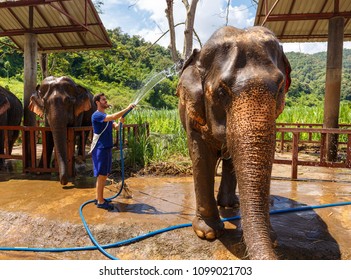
x=230 y=94
x=11 y=112
x=63 y=104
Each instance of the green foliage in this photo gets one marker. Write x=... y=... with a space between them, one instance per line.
x=11 y=60
x=308 y=78
x=167 y=139
x=118 y=72
x=13 y=85
x=121 y=70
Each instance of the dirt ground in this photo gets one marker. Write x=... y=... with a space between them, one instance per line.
x=36 y=211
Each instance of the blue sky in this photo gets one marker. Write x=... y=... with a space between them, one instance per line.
x=147 y=19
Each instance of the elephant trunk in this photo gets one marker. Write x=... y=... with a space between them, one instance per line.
x=251 y=142
x=60 y=144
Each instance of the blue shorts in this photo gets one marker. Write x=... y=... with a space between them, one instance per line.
x=102 y=161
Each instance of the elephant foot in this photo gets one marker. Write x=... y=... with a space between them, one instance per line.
x=274 y=238
x=63 y=180
x=228 y=201
x=209 y=228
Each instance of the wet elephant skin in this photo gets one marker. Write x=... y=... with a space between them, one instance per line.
x=11 y=111
x=230 y=94
x=63 y=104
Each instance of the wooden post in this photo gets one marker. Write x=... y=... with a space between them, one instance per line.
x=333 y=83
x=43 y=61
x=348 y=151
x=295 y=156
x=30 y=78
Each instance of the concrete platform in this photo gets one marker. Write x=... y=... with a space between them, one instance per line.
x=36 y=211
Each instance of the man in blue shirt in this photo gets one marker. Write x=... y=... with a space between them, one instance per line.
x=102 y=152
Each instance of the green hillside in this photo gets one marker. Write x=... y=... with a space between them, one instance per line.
x=121 y=71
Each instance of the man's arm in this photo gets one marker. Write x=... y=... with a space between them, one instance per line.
x=119 y=114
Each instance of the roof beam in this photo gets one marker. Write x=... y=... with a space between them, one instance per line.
x=66 y=48
x=44 y=30
x=305 y=38
x=23 y=3
x=307 y=16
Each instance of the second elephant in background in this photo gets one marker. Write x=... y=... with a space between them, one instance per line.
x=62 y=103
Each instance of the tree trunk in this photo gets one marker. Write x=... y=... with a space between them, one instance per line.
x=189 y=27
x=172 y=46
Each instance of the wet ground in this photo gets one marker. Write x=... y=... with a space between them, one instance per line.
x=36 y=211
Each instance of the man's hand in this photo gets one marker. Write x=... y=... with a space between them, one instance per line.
x=131 y=106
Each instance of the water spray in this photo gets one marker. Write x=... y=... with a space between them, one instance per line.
x=156 y=79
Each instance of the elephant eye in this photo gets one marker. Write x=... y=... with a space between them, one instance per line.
x=221 y=92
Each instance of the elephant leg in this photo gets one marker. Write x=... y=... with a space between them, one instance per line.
x=12 y=139
x=226 y=194
x=207 y=223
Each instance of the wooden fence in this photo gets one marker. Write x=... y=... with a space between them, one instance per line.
x=296 y=141
x=33 y=144
x=287 y=135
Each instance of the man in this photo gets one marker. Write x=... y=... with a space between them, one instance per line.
x=102 y=152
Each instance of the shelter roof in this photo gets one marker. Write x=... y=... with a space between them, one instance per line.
x=60 y=25
x=302 y=20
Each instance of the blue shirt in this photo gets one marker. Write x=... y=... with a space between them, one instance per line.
x=105 y=140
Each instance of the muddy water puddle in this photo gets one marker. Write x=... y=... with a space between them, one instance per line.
x=36 y=211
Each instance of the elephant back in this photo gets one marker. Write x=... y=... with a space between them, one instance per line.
x=14 y=112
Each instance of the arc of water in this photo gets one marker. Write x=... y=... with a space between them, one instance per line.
x=154 y=80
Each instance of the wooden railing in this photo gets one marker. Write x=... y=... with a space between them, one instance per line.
x=29 y=135
x=320 y=143
x=283 y=139
x=33 y=144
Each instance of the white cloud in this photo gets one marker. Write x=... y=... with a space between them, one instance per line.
x=147 y=19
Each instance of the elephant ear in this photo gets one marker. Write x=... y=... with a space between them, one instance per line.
x=286 y=68
x=190 y=90
x=36 y=103
x=287 y=73
x=4 y=106
x=82 y=103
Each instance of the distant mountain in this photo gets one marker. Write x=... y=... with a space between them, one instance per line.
x=121 y=71
x=308 y=77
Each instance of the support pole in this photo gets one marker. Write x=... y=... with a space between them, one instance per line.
x=30 y=81
x=30 y=75
x=333 y=83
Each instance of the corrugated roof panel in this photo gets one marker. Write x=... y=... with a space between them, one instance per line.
x=20 y=17
x=70 y=24
x=49 y=40
x=302 y=20
x=8 y=21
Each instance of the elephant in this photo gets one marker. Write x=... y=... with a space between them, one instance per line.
x=230 y=94
x=63 y=104
x=11 y=112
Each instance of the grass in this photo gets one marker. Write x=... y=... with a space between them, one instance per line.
x=167 y=139
x=13 y=85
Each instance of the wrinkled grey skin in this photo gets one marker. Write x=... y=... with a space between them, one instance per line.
x=11 y=112
x=63 y=104
x=231 y=93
